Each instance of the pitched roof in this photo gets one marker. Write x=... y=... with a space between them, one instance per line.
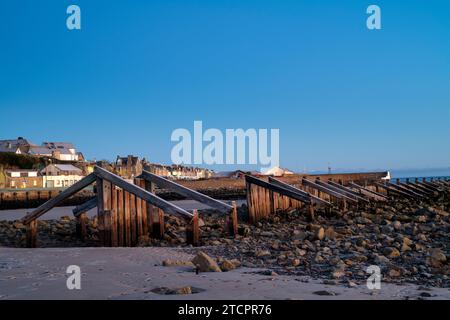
x=67 y=167
x=12 y=145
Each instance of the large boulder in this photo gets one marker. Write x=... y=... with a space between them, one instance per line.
x=205 y=263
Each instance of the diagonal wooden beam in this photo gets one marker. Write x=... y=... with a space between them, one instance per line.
x=369 y=193
x=402 y=188
x=314 y=199
x=84 y=207
x=348 y=191
x=394 y=190
x=45 y=207
x=275 y=188
x=188 y=193
x=142 y=193
x=327 y=190
x=423 y=188
x=429 y=186
x=415 y=189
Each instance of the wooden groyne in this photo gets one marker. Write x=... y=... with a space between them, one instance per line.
x=128 y=211
x=268 y=197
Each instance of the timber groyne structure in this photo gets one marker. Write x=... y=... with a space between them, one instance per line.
x=128 y=210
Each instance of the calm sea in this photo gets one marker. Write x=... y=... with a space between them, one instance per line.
x=425 y=173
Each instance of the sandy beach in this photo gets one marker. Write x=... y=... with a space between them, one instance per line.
x=131 y=273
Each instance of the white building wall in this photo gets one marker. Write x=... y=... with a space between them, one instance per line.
x=61 y=181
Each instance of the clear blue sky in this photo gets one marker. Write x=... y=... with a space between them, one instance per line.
x=338 y=92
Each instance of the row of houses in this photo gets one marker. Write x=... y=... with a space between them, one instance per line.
x=132 y=166
x=64 y=151
x=52 y=176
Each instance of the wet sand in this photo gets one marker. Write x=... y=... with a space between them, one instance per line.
x=131 y=273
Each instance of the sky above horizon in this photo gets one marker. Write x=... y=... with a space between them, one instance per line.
x=341 y=95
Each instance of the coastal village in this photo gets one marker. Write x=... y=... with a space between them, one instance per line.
x=327 y=226
x=60 y=165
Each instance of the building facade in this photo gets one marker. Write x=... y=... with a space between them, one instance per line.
x=60 y=175
x=21 y=179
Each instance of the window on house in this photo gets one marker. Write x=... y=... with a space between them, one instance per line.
x=35 y=183
x=13 y=184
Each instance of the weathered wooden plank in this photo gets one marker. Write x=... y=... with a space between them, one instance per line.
x=143 y=194
x=127 y=222
x=144 y=226
x=369 y=193
x=232 y=220
x=314 y=199
x=31 y=234
x=100 y=211
x=133 y=220
x=251 y=212
x=402 y=188
x=415 y=189
x=424 y=188
x=424 y=184
x=114 y=217
x=45 y=207
x=188 y=193
x=193 y=230
x=393 y=190
x=107 y=206
x=347 y=191
x=85 y=207
x=275 y=188
x=327 y=190
x=81 y=225
x=120 y=218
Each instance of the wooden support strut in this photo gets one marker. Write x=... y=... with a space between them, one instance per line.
x=85 y=207
x=314 y=199
x=406 y=190
x=347 y=191
x=393 y=190
x=369 y=193
x=81 y=226
x=325 y=189
x=193 y=230
x=232 y=220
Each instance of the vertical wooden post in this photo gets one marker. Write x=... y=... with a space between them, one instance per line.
x=398 y=181
x=107 y=211
x=344 y=205
x=127 y=223
x=193 y=231
x=251 y=212
x=144 y=211
x=114 y=217
x=311 y=211
x=120 y=218
x=155 y=215
x=139 y=229
x=232 y=224
x=31 y=235
x=133 y=219
x=81 y=227
x=100 y=212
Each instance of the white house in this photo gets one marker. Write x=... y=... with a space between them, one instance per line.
x=59 y=150
x=60 y=175
x=277 y=172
